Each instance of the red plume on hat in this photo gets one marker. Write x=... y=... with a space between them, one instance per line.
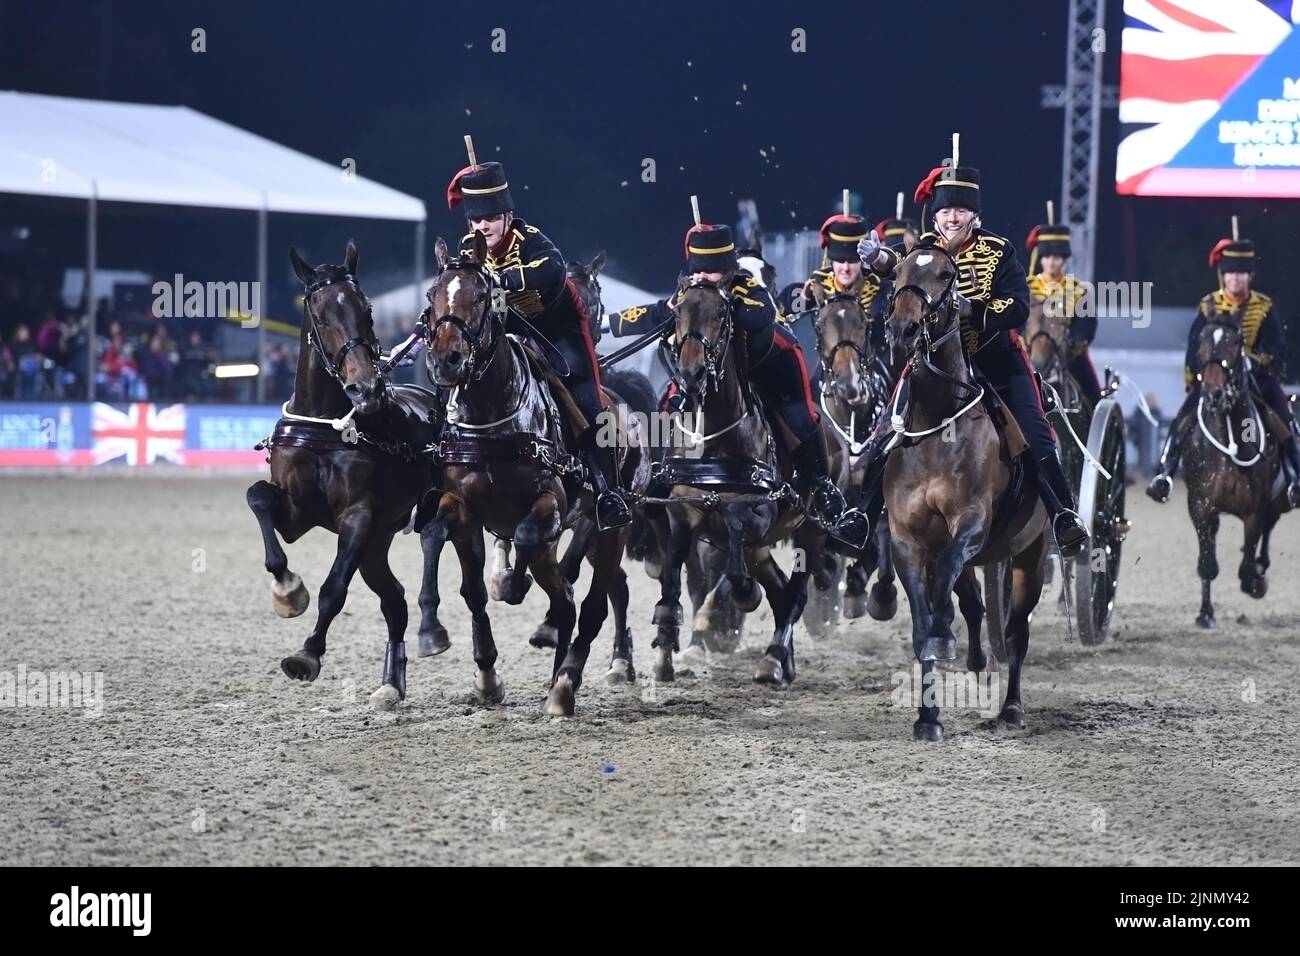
x=925 y=191
x=454 y=195
x=826 y=226
x=879 y=229
x=1032 y=241
x=1217 y=252
x=698 y=227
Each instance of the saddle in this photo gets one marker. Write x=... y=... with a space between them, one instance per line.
x=1008 y=429
x=573 y=423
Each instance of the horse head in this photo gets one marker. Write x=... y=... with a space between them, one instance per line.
x=842 y=345
x=340 y=328
x=1048 y=332
x=585 y=279
x=703 y=334
x=463 y=328
x=1220 y=351
x=921 y=310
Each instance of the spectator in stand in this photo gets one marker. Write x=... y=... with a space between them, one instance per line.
x=195 y=368
x=283 y=372
x=28 y=362
x=7 y=370
x=158 y=366
x=52 y=346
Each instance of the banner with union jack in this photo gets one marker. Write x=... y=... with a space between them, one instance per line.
x=1209 y=98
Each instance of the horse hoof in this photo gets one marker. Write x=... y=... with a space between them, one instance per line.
x=559 y=702
x=546 y=636
x=747 y=599
x=977 y=664
x=434 y=641
x=664 y=672
x=1206 y=622
x=927 y=731
x=770 y=672
x=620 y=672
x=515 y=593
x=855 y=606
x=489 y=688
x=301 y=666
x=291 y=599
x=1256 y=587
x=882 y=601
x=386 y=698
x=937 y=649
x=1013 y=716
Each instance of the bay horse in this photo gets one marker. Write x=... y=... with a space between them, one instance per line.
x=728 y=486
x=1231 y=470
x=345 y=456
x=854 y=384
x=952 y=492
x=506 y=469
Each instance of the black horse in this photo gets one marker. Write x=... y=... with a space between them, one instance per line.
x=346 y=457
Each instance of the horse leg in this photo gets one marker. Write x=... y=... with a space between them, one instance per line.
x=354 y=526
x=1026 y=589
x=489 y=688
x=940 y=643
x=1249 y=573
x=972 y=611
x=855 y=590
x=595 y=608
x=379 y=577
x=584 y=530
x=621 y=669
x=1207 y=564
x=882 y=602
x=433 y=636
x=668 y=612
x=536 y=536
x=273 y=510
x=910 y=560
x=777 y=666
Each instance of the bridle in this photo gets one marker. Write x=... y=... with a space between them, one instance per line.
x=481 y=343
x=1235 y=373
x=936 y=308
x=334 y=364
x=827 y=359
x=715 y=352
x=1227 y=398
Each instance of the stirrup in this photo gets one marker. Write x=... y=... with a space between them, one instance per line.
x=1071 y=536
x=612 y=511
x=1160 y=488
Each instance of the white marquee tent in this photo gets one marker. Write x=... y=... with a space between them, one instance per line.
x=171 y=155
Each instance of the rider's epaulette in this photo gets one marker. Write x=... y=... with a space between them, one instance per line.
x=531 y=229
x=991 y=237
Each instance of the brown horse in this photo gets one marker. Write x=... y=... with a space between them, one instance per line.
x=951 y=490
x=854 y=384
x=345 y=457
x=506 y=469
x=1229 y=464
x=728 y=487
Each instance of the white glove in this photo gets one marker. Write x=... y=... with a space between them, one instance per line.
x=869 y=249
x=753 y=267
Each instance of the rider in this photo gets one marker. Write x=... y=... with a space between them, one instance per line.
x=531 y=271
x=1049 y=246
x=993 y=298
x=776 y=366
x=841 y=269
x=1264 y=343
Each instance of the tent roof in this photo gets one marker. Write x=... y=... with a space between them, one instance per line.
x=133 y=152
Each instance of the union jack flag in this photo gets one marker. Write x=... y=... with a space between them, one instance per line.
x=1181 y=63
x=143 y=433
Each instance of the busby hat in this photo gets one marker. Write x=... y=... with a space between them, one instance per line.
x=893 y=232
x=710 y=249
x=947 y=186
x=481 y=191
x=840 y=235
x=1233 y=255
x=1047 y=239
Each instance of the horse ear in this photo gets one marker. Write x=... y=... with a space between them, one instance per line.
x=596 y=264
x=440 y=253
x=304 y=272
x=350 y=258
x=480 y=247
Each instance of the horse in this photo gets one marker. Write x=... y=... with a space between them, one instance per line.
x=1230 y=470
x=728 y=487
x=506 y=469
x=950 y=487
x=345 y=456
x=854 y=384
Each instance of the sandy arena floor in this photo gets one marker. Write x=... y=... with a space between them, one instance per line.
x=1166 y=745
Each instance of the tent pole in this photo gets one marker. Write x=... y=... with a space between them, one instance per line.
x=261 y=299
x=92 y=255
x=419 y=266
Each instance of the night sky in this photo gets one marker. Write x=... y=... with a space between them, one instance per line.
x=586 y=91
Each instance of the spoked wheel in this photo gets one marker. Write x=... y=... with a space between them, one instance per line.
x=1101 y=506
x=997 y=606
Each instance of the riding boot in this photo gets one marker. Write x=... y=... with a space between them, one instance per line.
x=812 y=460
x=871 y=500
x=611 y=510
x=1071 y=533
x=1162 y=482
x=1291 y=464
